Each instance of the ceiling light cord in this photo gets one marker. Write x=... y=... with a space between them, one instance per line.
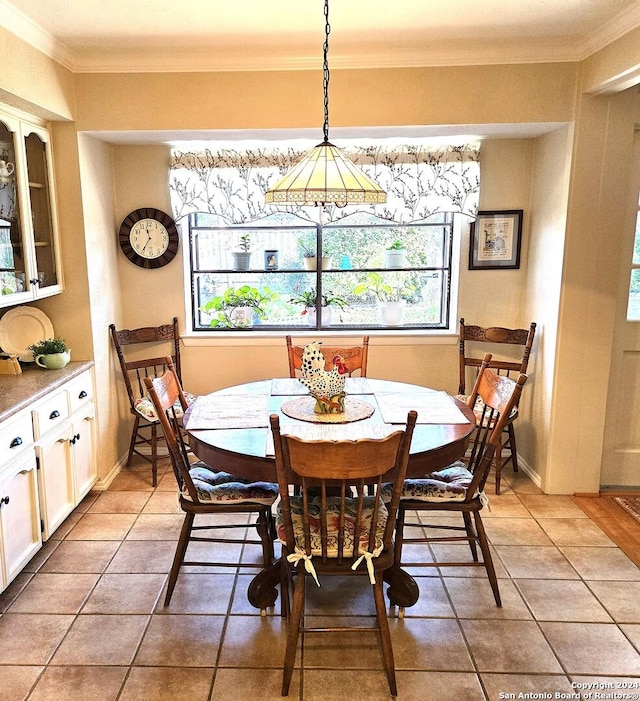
x=325 y=71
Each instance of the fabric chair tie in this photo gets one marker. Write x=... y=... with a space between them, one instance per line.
x=484 y=500
x=299 y=554
x=368 y=558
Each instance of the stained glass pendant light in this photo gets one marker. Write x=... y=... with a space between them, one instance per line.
x=325 y=175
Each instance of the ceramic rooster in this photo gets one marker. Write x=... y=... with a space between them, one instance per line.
x=325 y=386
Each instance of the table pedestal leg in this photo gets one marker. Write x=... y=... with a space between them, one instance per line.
x=262 y=592
x=403 y=590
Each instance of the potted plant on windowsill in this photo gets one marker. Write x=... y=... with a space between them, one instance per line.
x=308 y=301
x=309 y=258
x=236 y=307
x=51 y=353
x=242 y=255
x=395 y=254
x=389 y=297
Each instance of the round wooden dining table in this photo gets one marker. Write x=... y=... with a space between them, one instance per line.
x=233 y=436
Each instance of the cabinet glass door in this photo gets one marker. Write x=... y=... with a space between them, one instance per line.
x=12 y=250
x=41 y=213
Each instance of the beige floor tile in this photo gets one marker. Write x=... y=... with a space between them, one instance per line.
x=66 y=526
x=515 y=531
x=31 y=638
x=551 y=506
x=55 y=593
x=121 y=502
x=535 y=562
x=340 y=596
x=429 y=644
x=462 y=553
x=156 y=527
x=217 y=552
x=45 y=552
x=130 y=480
x=163 y=503
x=473 y=598
x=167 y=684
x=263 y=684
x=10 y=594
x=505 y=506
x=510 y=646
x=199 y=593
x=125 y=593
x=240 y=604
x=254 y=641
x=74 y=683
x=433 y=601
x=574 y=531
x=632 y=631
x=17 y=681
x=621 y=599
x=102 y=527
x=518 y=482
x=164 y=645
x=602 y=563
x=101 y=640
x=330 y=685
x=436 y=686
x=512 y=685
x=592 y=648
x=562 y=600
x=143 y=556
x=81 y=556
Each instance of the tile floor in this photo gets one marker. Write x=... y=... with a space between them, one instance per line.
x=86 y=621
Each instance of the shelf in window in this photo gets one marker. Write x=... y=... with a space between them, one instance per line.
x=42 y=243
x=37 y=186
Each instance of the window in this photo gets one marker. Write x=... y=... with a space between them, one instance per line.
x=633 y=309
x=357 y=283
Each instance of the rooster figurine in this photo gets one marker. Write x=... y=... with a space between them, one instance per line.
x=325 y=386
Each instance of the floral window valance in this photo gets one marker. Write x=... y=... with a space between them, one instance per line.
x=420 y=178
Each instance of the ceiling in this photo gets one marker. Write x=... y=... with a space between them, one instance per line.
x=206 y=35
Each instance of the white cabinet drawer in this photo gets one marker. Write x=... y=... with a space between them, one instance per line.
x=50 y=413
x=80 y=391
x=16 y=435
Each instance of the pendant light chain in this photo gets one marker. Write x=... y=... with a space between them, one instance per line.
x=325 y=71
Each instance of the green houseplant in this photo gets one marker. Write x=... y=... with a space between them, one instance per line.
x=390 y=297
x=51 y=353
x=395 y=254
x=308 y=300
x=236 y=307
x=242 y=255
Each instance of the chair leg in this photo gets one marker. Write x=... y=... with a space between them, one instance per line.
x=399 y=534
x=132 y=443
x=264 y=528
x=471 y=534
x=512 y=447
x=486 y=554
x=497 y=461
x=178 y=558
x=154 y=455
x=294 y=631
x=385 y=635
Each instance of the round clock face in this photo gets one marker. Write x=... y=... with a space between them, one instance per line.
x=148 y=237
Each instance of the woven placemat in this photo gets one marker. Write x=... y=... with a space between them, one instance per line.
x=630 y=504
x=302 y=408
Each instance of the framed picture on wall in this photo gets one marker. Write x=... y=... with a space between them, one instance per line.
x=495 y=240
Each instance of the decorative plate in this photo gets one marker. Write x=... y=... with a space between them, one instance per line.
x=21 y=327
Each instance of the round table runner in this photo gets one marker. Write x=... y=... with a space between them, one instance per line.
x=302 y=408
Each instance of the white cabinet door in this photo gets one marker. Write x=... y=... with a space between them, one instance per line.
x=20 y=536
x=55 y=477
x=83 y=453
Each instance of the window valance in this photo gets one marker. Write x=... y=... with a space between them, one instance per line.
x=421 y=177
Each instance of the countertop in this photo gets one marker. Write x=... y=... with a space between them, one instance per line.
x=20 y=391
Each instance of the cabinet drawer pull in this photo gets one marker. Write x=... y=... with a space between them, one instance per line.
x=83 y=395
x=54 y=414
x=4 y=500
x=15 y=442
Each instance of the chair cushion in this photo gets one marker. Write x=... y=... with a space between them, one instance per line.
x=333 y=510
x=449 y=484
x=144 y=407
x=225 y=488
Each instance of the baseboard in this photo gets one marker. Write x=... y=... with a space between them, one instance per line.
x=103 y=483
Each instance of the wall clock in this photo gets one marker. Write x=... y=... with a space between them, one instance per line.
x=148 y=237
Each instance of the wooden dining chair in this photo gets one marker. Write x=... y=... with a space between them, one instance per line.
x=204 y=491
x=141 y=353
x=459 y=488
x=332 y=526
x=355 y=358
x=514 y=346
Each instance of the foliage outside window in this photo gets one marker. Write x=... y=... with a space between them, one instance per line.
x=633 y=309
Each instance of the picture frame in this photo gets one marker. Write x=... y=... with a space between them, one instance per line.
x=495 y=240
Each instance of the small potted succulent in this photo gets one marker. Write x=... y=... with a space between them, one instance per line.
x=395 y=254
x=308 y=300
x=51 y=353
x=242 y=255
x=309 y=258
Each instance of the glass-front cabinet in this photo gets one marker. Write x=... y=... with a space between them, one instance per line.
x=29 y=251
